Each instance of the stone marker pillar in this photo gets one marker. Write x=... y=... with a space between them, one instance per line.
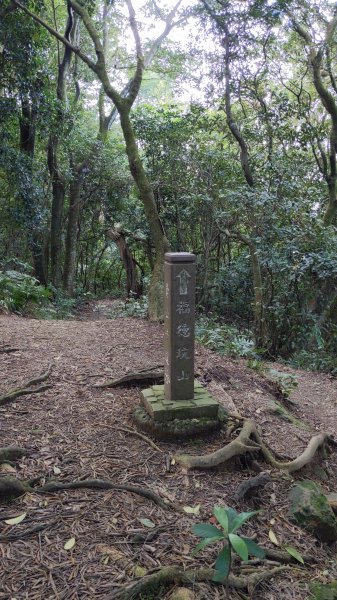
x=181 y=398
x=179 y=272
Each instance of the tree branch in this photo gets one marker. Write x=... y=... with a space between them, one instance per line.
x=57 y=35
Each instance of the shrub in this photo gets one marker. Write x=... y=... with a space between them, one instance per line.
x=17 y=289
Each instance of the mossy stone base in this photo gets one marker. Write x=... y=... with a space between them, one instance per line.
x=178 y=428
x=162 y=410
x=309 y=509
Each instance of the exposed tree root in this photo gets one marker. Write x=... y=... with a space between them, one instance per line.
x=152 y=375
x=11 y=453
x=10 y=487
x=132 y=431
x=286 y=558
x=252 y=485
x=26 y=389
x=5 y=349
x=240 y=445
x=244 y=443
x=141 y=436
x=170 y=575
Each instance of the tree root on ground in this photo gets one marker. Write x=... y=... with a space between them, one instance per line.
x=284 y=557
x=170 y=575
x=150 y=375
x=134 y=432
x=6 y=349
x=250 y=440
x=10 y=487
x=252 y=486
x=11 y=454
x=26 y=389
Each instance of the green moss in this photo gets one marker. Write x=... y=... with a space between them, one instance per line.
x=324 y=591
x=309 y=508
x=282 y=412
x=177 y=428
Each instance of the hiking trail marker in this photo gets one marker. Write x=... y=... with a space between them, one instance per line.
x=181 y=397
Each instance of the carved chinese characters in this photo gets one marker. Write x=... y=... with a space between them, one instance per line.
x=179 y=325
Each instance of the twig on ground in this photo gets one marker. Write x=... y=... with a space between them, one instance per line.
x=26 y=389
x=8 y=349
x=132 y=431
x=12 y=537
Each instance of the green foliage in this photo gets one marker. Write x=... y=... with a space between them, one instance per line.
x=17 y=289
x=225 y=339
x=132 y=307
x=323 y=360
x=230 y=522
x=287 y=382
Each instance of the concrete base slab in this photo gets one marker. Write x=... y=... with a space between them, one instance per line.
x=178 y=428
x=162 y=410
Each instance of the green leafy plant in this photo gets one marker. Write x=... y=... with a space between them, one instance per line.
x=223 y=338
x=286 y=381
x=17 y=289
x=230 y=521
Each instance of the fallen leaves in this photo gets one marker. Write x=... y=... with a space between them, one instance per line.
x=147 y=523
x=16 y=520
x=69 y=544
x=273 y=538
x=192 y=510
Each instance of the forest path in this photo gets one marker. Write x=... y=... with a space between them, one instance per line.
x=74 y=430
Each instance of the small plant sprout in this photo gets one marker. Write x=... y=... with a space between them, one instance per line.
x=230 y=521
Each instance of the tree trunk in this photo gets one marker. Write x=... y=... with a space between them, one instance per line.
x=260 y=331
x=34 y=234
x=133 y=286
x=58 y=185
x=156 y=289
x=72 y=230
x=259 y=316
x=56 y=212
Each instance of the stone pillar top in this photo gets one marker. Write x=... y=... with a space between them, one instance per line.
x=178 y=257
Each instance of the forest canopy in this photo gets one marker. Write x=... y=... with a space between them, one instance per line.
x=209 y=126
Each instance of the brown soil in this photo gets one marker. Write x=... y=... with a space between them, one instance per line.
x=74 y=431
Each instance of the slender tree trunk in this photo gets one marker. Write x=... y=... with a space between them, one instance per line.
x=72 y=231
x=156 y=289
x=260 y=329
x=34 y=235
x=56 y=212
x=259 y=312
x=58 y=184
x=133 y=286
x=331 y=208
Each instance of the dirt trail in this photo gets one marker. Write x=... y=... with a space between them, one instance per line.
x=74 y=430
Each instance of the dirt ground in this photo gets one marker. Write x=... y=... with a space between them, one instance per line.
x=74 y=431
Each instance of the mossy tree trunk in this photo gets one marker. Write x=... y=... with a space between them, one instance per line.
x=123 y=103
x=35 y=236
x=72 y=229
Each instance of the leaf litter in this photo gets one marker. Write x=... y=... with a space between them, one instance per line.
x=74 y=431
